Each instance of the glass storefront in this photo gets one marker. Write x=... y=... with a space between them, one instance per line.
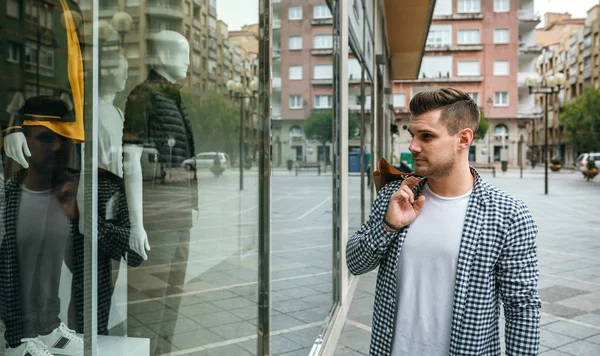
x=172 y=174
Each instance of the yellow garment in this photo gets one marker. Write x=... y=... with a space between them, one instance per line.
x=72 y=130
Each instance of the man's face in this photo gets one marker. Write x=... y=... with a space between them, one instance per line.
x=49 y=151
x=434 y=151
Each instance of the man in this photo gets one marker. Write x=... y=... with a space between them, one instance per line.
x=449 y=247
x=40 y=231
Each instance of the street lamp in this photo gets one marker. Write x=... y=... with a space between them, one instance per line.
x=237 y=90
x=553 y=84
x=121 y=22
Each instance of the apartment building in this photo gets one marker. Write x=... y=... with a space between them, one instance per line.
x=578 y=57
x=485 y=48
x=557 y=27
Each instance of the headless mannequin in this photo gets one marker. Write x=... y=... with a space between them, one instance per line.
x=110 y=137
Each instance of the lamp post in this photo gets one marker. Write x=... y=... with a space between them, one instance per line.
x=121 y=22
x=237 y=90
x=552 y=84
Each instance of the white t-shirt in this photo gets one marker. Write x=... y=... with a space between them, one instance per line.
x=110 y=139
x=426 y=276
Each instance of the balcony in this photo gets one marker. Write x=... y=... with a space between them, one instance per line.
x=587 y=71
x=323 y=22
x=164 y=10
x=322 y=81
x=528 y=111
x=212 y=76
x=276 y=24
x=528 y=16
x=297 y=139
x=276 y=83
x=212 y=32
x=212 y=11
x=197 y=24
x=442 y=79
x=587 y=52
x=457 y=48
x=212 y=54
x=530 y=48
x=460 y=16
x=321 y=51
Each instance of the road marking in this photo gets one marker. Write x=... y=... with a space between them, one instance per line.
x=241 y=339
x=313 y=209
x=216 y=289
x=358 y=325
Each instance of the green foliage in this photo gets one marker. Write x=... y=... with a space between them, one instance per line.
x=581 y=121
x=483 y=127
x=319 y=126
x=215 y=121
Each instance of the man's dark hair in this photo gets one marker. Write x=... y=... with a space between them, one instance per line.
x=459 y=110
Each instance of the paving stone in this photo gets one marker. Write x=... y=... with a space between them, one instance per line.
x=553 y=340
x=570 y=329
x=558 y=293
x=581 y=348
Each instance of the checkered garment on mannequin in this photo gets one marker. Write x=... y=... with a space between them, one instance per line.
x=113 y=243
x=497 y=264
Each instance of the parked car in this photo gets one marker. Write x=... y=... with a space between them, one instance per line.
x=583 y=158
x=205 y=160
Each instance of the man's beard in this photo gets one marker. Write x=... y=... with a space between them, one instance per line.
x=438 y=171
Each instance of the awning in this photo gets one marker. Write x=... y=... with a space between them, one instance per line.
x=407 y=24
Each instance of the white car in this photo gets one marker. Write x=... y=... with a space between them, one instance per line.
x=205 y=160
x=583 y=158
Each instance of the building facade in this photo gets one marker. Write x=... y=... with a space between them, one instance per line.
x=485 y=48
x=578 y=57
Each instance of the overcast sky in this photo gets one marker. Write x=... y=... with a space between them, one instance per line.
x=237 y=13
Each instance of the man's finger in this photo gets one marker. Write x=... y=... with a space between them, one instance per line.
x=147 y=245
x=419 y=204
x=26 y=149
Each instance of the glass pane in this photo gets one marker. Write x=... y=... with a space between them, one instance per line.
x=301 y=260
x=178 y=130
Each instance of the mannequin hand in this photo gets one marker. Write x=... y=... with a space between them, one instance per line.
x=15 y=146
x=138 y=241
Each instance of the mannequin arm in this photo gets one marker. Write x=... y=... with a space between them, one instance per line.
x=132 y=172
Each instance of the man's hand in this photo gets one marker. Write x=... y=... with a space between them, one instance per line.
x=402 y=208
x=67 y=196
x=15 y=146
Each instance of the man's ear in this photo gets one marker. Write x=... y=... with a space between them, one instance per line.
x=465 y=138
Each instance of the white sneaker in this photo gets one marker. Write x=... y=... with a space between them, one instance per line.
x=29 y=347
x=63 y=341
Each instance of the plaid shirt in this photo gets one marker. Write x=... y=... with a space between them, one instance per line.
x=497 y=263
x=113 y=243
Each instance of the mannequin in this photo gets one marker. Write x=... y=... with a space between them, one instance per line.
x=110 y=152
x=155 y=116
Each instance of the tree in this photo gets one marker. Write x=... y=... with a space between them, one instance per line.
x=319 y=126
x=215 y=121
x=483 y=127
x=581 y=121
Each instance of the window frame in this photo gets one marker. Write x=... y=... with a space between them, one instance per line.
x=502 y=9
x=496 y=96
x=295 y=37
x=507 y=73
x=472 y=8
x=294 y=107
x=294 y=8
x=504 y=30
x=464 y=31
x=295 y=66
x=458 y=71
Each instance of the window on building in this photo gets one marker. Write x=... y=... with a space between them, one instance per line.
x=501 y=35
x=468 y=68
x=323 y=41
x=46 y=57
x=295 y=102
x=501 y=98
x=442 y=8
x=501 y=5
x=323 y=102
x=13 y=9
x=469 y=6
x=436 y=67
x=501 y=68
x=295 y=42
x=323 y=71
x=295 y=73
x=321 y=12
x=474 y=96
x=13 y=53
x=399 y=100
x=354 y=69
x=439 y=35
x=295 y=13
x=468 y=37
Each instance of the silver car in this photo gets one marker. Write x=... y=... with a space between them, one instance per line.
x=205 y=160
x=583 y=158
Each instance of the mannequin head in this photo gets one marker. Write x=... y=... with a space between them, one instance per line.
x=172 y=55
x=114 y=76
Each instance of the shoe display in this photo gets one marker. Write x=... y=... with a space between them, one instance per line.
x=63 y=341
x=29 y=347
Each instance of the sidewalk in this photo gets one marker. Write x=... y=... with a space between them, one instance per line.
x=569 y=257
